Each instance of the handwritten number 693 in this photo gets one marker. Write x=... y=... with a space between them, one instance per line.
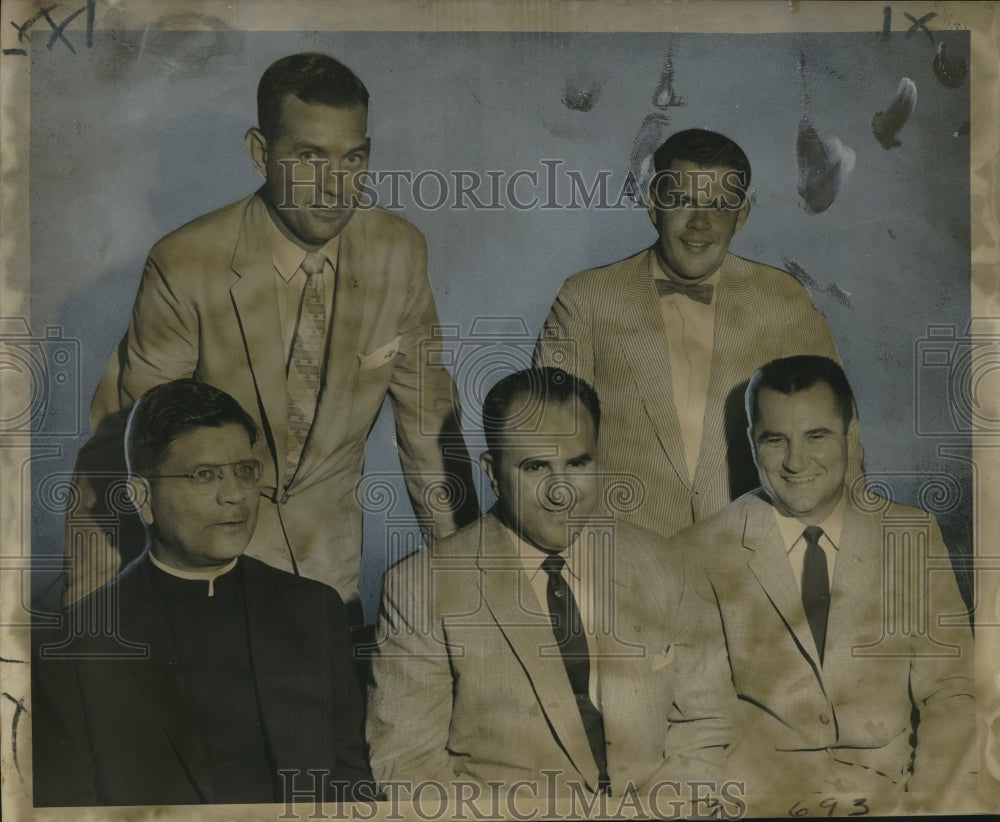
x=829 y=804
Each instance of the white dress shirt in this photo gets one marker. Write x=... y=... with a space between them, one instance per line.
x=290 y=282
x=795 y=543
x=578 y=572
x=690 y=329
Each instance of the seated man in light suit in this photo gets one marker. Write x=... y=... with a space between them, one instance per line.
x=197 y=675
x=849 y=645
x=669 y=336
x=538 y=647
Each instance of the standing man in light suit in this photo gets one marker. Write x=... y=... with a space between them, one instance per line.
x=309 y=311
x=849 y=645
x=541 y=648
x=669 y=336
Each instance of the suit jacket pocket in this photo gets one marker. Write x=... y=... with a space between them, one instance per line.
x=383 y=355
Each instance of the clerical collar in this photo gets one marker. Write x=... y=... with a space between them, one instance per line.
x=208 y=575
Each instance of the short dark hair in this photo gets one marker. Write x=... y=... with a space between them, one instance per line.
x=704 y=148
x=169 y=411
x=790 y=375
x=313 y=78
x=537 y=386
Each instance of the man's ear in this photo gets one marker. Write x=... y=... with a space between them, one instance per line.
x=853 y=437
x=744 y=212
x=140 y=495
x=489 y=466
x=753 y=444
x=257 y=147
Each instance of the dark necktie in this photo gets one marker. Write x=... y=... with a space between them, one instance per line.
x=699 y=292
x=568 y=629
x=305 y=363
x=816 y=587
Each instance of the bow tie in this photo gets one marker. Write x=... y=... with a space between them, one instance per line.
x=699 y=292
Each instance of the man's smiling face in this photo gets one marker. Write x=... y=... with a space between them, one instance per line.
x=696 y=212
x=801 y=449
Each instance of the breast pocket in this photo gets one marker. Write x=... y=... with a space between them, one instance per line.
x=382 y=356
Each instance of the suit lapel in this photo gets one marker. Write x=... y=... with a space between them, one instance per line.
x=159 y=679
x=645 y=345
x=857 y=577
x=508 y=594
x=253 y=295
x=768 y=562
x=732 y=352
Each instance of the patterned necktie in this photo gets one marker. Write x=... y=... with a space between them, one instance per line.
x=816 y=587
x=305 y=363
x=699 y=292
x=568 y=629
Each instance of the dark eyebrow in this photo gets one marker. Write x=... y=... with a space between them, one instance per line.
x=541 y=460
x=306 y=145
x=820 y=430
x=767 y=433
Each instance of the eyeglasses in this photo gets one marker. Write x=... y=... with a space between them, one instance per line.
x=206 y=478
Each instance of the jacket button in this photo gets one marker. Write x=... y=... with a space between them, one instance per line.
x=824 y=719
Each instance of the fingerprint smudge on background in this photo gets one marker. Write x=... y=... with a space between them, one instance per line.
x=654 y=130
x=885 y=125
x=582 y=91
x=823 y=164
x=664 y=95
x=950 y=69
x=655 y=126
x=798 y=272
x=841 y=296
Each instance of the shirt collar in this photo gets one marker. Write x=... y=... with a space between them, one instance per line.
x=288 y=256
x=208 y=575
x=532 y=558
x=791 y=528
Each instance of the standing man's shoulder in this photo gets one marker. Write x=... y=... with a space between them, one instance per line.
x=218 y=228
x=765 y=280
x=599 y=281
x=377 y=225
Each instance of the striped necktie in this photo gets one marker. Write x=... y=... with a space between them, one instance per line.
x=306 y=361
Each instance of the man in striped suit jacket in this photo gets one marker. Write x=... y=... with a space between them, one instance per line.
x=670 y=336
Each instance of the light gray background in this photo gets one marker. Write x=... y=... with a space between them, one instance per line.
x=144 y=132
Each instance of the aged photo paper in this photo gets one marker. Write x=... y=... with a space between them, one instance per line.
x=517 y=137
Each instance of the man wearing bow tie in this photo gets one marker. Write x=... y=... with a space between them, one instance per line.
x=848 y=642
x=310 y=310
x=669 y=337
